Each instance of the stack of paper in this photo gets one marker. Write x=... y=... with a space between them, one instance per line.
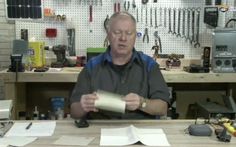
x=130 y=135
x=16 y=141
x=21 y=135
x=45 y=128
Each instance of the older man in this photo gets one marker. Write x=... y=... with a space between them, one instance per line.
x=122 y=70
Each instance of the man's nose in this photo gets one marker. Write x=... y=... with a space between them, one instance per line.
x=123 y=36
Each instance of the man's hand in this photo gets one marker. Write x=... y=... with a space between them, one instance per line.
x=132 y=101
x=88 y=102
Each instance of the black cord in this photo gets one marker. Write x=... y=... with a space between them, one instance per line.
x=226 y=25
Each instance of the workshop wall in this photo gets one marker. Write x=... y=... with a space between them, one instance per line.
x=7 y=34
x=92 y=34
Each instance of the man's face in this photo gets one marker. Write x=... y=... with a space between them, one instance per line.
x=122 y=35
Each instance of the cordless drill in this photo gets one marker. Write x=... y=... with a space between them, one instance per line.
x=60 y=52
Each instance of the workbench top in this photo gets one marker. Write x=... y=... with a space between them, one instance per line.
x=70 y=75
x=174 y=130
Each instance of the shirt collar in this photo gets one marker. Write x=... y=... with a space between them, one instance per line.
x=108 y=58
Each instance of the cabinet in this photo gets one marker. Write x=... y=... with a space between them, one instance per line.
x=30 y=88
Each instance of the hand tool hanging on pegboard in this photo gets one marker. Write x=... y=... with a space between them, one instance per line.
x=90 y=2
x=197 y=44
x=106 y=42
x=156 y=26
x=141 y=14
x=174 y=20
x=193 y=26
x=24 y=34
x=137 y=14
x=157 y=47
x=183 y=22
x=146 y=36
x=90 y=14
x=126 y=5
x=165 y=9
x=151 y=17
x=106 y=22
x=71 y=41
x=133 y=4
x=178 y=23
x=146 y=17
x=169 y=17
x=188 y=23
x=116 y=7
x=160 y=17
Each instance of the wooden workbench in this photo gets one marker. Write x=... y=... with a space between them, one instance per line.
x=71 y=74
x=174 y=130
x=28 y=84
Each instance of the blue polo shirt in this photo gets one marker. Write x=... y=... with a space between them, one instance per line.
x=141 y=75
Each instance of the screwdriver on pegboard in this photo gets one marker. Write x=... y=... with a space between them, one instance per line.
x=90 y=16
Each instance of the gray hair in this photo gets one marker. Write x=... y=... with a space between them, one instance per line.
x=117 y=14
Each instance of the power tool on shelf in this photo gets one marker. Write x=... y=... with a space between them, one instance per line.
x=60 y=52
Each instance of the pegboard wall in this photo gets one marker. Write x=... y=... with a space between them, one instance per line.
x=92 y=33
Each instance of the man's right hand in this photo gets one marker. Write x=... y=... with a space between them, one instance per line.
x=88 y=102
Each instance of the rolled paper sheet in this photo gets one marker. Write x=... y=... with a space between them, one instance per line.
x=110 y=102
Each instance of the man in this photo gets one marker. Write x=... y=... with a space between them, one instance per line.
x=121 y=70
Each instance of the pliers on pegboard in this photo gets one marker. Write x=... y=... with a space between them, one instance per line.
x=146 y=35
x=116 y=7
x=126 y=5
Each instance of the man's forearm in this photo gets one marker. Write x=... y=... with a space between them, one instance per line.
x=76 y=110
x=155 y=107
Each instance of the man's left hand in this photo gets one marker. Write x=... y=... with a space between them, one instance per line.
x=132 y=101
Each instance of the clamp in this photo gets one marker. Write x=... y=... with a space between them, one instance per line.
x=157 y=45
x=158 y=40
x=156 y=49
x=146 y=35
